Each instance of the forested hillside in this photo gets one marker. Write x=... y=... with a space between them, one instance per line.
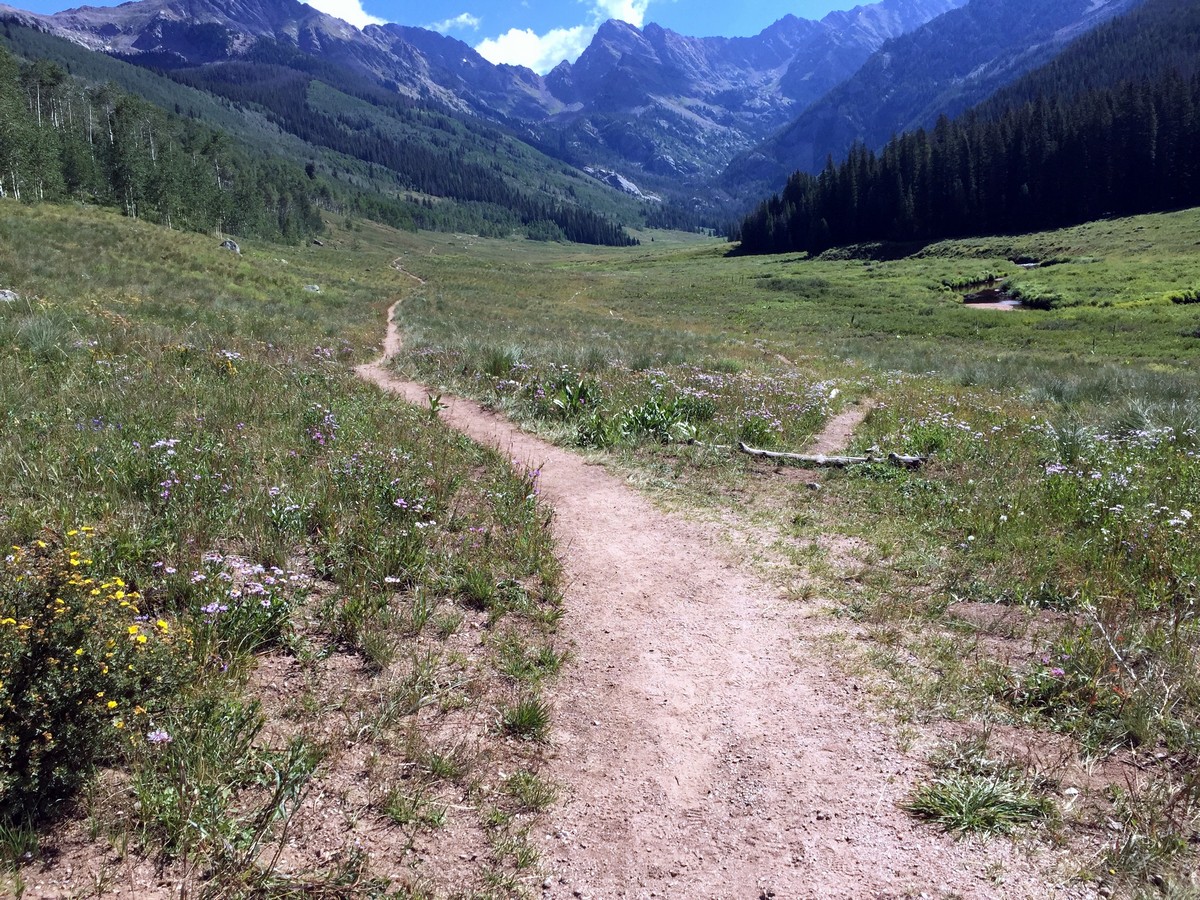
x=1156 y=37
x=430 y=152
x=306 y=140
x=64 y=140
x=946 y=67
x=1110 y=128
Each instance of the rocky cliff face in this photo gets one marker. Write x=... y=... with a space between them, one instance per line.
x=675 y=106
x=649 y=103
x=197 y=32
x=194 y=30
x=942 y=67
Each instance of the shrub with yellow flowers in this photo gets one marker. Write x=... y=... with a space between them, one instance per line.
x=81 y=665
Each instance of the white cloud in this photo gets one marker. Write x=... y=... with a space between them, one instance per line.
x=348 y=10
x=631 y=11
x=458 y=23
x=542 y=52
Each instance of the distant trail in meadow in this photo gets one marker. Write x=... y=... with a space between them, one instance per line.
x=705 y=747
x=398 y=265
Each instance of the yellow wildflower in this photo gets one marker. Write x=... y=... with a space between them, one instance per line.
x=112 y=704
x=133 y=629
x=141 y=639
x=162 y=626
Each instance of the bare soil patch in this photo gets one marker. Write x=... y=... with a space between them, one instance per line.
x=836 y=434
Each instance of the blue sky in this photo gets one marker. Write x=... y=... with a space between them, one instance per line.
x=540 y=33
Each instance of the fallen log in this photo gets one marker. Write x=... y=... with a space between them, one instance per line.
x=821 y=459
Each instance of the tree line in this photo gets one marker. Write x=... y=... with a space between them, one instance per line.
x=426 y=151
x=61 y=139
x=1045 y=163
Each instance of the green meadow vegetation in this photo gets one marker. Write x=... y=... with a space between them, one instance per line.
x=189 y=460
x=197 y=492
x=1038 y=575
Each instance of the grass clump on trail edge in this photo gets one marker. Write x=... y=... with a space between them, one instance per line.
x=974 y=793
x=227 y=561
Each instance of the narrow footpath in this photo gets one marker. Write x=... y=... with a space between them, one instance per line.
x=705 y=746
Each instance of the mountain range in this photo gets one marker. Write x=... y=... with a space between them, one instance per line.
x=941 y=68
x=655 y=105
x=646 y=110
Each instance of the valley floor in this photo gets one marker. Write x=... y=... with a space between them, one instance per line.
x=708 y=744
x=562 y=639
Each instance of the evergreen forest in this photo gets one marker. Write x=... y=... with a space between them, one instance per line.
x=371 y=154
x=1049 y=162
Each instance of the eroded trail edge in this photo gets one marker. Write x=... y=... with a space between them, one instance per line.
x=705 y=746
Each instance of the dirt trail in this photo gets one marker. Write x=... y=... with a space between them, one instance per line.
x=398 y=265
x=705 y=746
x=837 y=432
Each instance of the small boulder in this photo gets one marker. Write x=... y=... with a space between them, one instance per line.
x=318 y=243
x=231 y=245
x=7 y=296
x=313 y=288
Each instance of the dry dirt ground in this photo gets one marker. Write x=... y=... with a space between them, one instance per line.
x=706 y=746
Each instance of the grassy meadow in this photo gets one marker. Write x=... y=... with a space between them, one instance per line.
x=1037 y=578
x=248 y=603
x=329 y=582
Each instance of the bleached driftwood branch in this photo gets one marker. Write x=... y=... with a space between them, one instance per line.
x=820 y=459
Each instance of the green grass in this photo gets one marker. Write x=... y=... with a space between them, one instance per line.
x=531 y=791
x=975 y=793
x=1063 y=482
x=966 y=803
x=194 y=485
x=528 y=718
x=1063 y=477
